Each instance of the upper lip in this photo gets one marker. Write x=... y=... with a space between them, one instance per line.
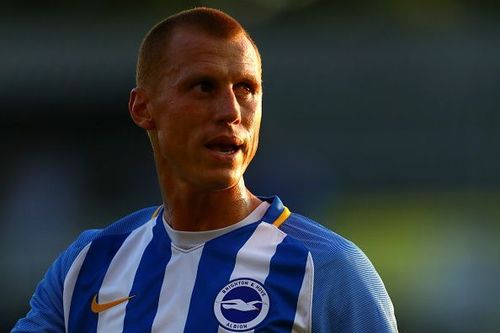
x=226 y=140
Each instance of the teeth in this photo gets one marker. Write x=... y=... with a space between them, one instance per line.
x=228 y=150
x=225 y=149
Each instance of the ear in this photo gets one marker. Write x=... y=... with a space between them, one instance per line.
x=139 y=110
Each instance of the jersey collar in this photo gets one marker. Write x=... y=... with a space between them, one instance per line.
x=277 y=213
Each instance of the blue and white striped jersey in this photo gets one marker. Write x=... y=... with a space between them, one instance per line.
x=283 y=273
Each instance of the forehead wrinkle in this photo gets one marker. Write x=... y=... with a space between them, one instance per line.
x=215 y=67
x=220 y=56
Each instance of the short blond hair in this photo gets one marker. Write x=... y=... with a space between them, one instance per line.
x=207 y=20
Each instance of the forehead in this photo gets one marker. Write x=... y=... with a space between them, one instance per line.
x=191 y=49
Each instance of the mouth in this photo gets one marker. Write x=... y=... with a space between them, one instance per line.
x=225 y=145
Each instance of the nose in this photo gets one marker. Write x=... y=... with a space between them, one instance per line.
x=228 y=108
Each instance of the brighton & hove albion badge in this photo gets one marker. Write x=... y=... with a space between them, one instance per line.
x=241 y=305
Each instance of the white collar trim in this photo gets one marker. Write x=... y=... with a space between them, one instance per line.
x=189 y=239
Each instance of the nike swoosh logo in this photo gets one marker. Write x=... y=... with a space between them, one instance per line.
x=96 y=307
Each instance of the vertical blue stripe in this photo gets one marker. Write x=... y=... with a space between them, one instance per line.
x=214 y=270
x=89 y=281
x=141 y=309
x=283 y=285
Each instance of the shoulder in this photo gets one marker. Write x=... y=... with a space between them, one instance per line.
x=326 y=246
x=46 y=305
x=348 y=292
x=122 y=226
x=129 y=222
x=335 y=257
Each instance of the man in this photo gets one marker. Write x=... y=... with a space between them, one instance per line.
x=214 y=257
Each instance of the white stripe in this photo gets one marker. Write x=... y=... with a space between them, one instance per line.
x=254 y=257
x=302 y=321
x=120 y=275
x=70 y=281
x=176 y=290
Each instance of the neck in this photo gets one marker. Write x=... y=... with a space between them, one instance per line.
x=194 y=210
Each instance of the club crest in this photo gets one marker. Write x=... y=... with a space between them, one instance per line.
x=241 y=305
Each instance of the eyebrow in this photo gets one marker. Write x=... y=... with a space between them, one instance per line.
x=191 y=75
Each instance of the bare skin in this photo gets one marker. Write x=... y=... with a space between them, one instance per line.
x=203 y=119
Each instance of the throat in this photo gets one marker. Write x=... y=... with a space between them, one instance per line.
x=209 y=213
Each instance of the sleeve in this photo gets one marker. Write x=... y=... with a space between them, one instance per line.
x=349 y=295
x=46 y=305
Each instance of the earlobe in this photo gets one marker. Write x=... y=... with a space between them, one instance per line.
x=138 y=108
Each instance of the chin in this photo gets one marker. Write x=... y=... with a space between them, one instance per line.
x=223 y=181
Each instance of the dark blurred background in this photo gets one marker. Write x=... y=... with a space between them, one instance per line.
x=381 y=121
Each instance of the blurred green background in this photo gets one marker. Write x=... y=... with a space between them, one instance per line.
x=381 y=121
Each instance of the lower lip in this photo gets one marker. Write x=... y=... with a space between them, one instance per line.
x=225 y=157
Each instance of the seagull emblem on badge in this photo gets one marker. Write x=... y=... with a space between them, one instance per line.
x=240 y=305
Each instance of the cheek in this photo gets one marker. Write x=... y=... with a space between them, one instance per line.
x=169 y=134
x=254 y=129
x=180 y=132
x=255 y=144
x=174 y=122
x=252 y=115
x=254 y=125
